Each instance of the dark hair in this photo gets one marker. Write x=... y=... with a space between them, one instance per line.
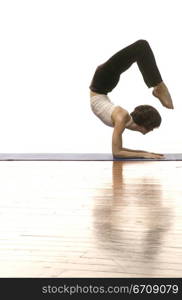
x=146 y=116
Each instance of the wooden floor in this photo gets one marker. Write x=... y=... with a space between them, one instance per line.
x=90 y=219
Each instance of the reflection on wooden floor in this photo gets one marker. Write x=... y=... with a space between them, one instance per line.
x=91 y=219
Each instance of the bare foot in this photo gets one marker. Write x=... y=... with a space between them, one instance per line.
x=161 y=92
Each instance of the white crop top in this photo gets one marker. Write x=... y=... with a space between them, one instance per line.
x=102 y=107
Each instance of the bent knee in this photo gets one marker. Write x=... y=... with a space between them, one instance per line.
x=143 y=43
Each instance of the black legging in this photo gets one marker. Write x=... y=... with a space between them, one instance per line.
x=107 y=75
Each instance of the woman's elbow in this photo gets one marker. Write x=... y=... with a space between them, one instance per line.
x=116 y=154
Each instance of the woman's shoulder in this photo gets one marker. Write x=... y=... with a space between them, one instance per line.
x=120 y=114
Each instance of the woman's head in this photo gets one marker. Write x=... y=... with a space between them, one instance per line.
x=146 y=116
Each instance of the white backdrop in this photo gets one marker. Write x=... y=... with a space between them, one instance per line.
x=49 y=51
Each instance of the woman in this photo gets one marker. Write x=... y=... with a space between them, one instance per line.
x=144 y=118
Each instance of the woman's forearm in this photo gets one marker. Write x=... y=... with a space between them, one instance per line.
x=124 y=153
x=130 y=150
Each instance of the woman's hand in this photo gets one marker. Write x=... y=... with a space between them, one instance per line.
x=153 y=155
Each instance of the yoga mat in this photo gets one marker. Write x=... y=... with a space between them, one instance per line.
x=78 y=157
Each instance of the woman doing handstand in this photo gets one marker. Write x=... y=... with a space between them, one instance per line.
x=144 y=118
